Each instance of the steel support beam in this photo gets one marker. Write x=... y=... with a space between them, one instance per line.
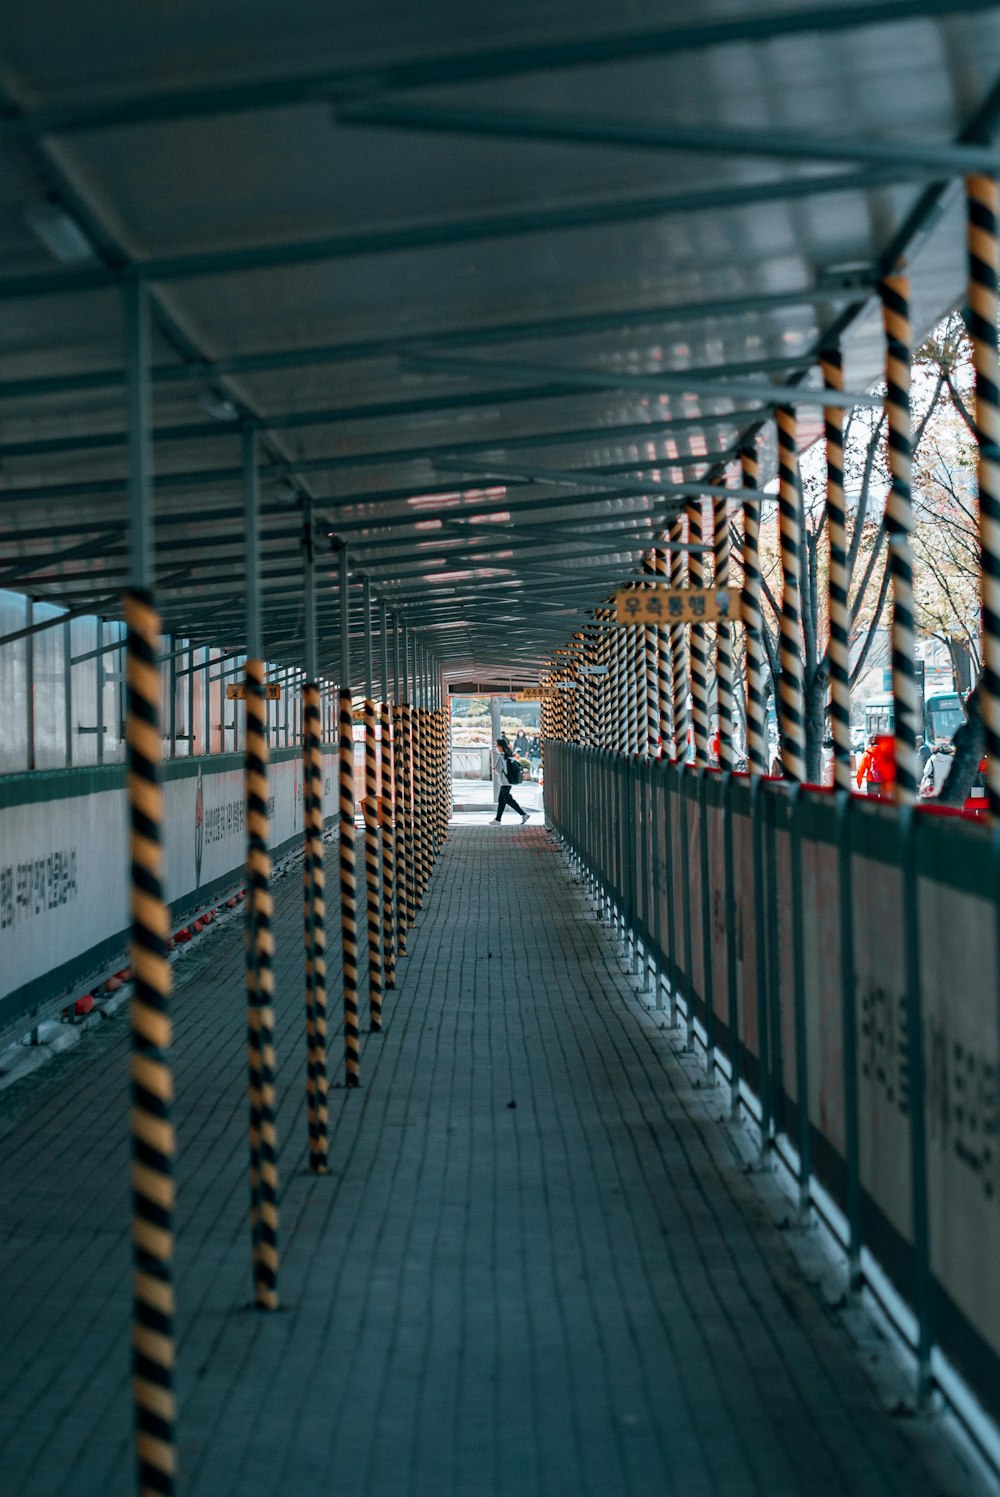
x=933 y=159
x=470 y=66
x=513 y=223
x=678 y=382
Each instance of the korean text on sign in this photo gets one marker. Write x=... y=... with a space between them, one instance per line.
x=683 y=605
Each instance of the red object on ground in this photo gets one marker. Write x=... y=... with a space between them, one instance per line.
x=198 y=927
x=83 y=1005
x=112 y=985
x=124 y=974
x=231 y=903
x=208 y=917
x=182 y=936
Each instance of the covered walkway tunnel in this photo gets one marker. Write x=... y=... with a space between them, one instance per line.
x=354 y=360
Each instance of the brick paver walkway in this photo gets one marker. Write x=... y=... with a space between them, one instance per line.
x=538 y=1268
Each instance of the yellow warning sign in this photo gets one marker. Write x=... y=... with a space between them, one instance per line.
x=676 y=605
x=237 y=693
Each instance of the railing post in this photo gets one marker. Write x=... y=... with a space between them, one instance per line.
x=849 y=1042
x=916 y=1090
x=735 y=1058
x=706 y=926
x=761 y=926
x=670 y=781
x=685 y=780
x=799 y=1002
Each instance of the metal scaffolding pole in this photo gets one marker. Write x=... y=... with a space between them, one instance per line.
x=757 y=746
x=348 y=858
x=984 y=263
x=899 y=525
x=260 y=942
x=790 y=686
x=313 y=871
x=151 y=1081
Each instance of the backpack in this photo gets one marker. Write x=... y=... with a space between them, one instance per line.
x=512 y=770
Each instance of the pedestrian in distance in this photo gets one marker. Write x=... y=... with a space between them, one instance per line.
x=509 y=771
x=936 y=770
x=869 y=773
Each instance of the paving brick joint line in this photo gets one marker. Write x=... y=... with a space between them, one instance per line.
x=536 y=1267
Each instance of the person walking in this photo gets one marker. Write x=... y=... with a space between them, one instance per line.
x=509 y=772
x=936 y=769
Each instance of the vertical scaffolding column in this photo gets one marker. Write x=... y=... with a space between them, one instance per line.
x=313 y=877
x=895 y=292
x=387 y=815
x=699 y=642
x=399 y=785
x=664 y=725
x=790 y=685
x=373 y=870
x=679 y=683
x=635 y=694
x=259 y=939
x=410 y=820
x=651 y=650
x=838 y=649
x=348 y=857
x=983 y=312
x=417 y=748
x=151 y=1080
x=723 y=632
x=757 y=757
x=622 y=726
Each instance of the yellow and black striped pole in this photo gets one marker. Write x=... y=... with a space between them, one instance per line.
x=790 y=685
x=373 y=871
x=153 y=1344
x=699 y=644
x=417 y=800
x=389 y=922
x=839 y=647
x=410 y=818
x=678 y=654
x=664 y=724
x=651 y=650
x=348 y=890
x=981 y=194
x=401 y=830
x=723 y=631
x=757 y=755
x=260 y=990
x=314 y=912
x=899 y=527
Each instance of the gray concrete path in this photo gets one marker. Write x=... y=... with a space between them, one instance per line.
x=538 y=1269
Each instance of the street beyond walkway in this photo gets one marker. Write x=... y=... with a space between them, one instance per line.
x=539 y=1265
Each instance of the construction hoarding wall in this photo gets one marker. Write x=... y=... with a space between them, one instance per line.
x=64 y=861
x=862 y=949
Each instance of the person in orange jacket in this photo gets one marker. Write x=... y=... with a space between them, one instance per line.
x=868 y=768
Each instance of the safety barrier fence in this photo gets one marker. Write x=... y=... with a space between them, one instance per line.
x=840 y=957
x=63 y=880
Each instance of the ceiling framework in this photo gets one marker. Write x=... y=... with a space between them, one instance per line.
x=497 y=308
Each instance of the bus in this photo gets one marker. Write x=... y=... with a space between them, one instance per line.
x=943 y=715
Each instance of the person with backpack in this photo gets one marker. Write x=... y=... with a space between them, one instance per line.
x=509 y=771
x=936 y=770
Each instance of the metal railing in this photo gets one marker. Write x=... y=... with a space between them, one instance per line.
x=839 y=959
